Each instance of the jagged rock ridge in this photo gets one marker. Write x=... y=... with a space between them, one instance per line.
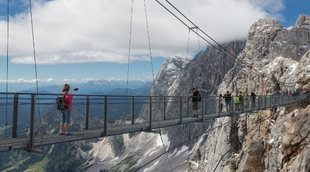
x=276 y=58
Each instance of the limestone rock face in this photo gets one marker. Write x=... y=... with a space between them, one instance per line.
x=178 y=76
x=275 y=60
x=303 y=21
x=260 y=36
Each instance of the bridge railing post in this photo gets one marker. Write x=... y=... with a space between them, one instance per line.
x=32 y=112
x=206 y=106
x=181 y=106
x=133 y=110
x=203 y=102
x=165 y=106
x=282 y=100
x=187 y=106
x=15 y=116
x=86 y=112
x=265 y=102
x=275 y=100
x=105 y=127
x=219 y=106
x=150 y=114
x=259 y=102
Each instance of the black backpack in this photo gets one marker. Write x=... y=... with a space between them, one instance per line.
x=198 y=97
x=60 y=103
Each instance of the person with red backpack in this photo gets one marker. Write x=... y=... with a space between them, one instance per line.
x=66 y=111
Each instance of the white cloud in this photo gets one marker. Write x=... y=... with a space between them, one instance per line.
x=79 y=31
x=69 y=80
x=27 y=81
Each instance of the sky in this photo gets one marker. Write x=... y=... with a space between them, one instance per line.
x=82 y=40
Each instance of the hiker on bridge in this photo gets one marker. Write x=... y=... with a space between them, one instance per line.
x=241 y=99
x=236 y=101
x=227 y=98
x=66 y=112
x=220 y=102
x=196 y=97
x=253 y=98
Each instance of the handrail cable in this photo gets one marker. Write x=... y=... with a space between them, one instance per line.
x=36 y=71
x=7 y=65
x=235 y=59
x=129 y=46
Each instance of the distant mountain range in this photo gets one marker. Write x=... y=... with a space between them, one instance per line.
x=113 y=87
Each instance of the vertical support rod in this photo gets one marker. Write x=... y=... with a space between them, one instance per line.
x=150 y=114
x=15 y=116
x=105 y=115
x=165 y=102
x=219 y=106
x=32 y=112
x=266 y=102
x=187 y=106
x=259 y=102
x=181 y=105
x=203 y=102
x=87 y=112
x=133 y=110
x=282 y=103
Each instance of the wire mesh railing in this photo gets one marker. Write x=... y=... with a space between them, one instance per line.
x=20 y=119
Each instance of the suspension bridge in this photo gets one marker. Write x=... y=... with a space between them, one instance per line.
x=94 y=116
x=31 y=120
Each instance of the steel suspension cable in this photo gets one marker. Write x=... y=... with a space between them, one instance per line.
x=149 y=40
x=197 y=33
x=218 y=44
x=238 y=61
x=129 y=46
x=36 y=70
x=198 y=40
x=187 y=46
x=152 y=66
x=7 y=66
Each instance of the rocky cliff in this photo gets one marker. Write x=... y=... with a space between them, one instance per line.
x=275 y=60
x=176 y=77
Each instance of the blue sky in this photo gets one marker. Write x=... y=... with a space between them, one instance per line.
x=80 y=41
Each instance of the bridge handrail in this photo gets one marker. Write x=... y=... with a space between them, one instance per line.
x=152 y=108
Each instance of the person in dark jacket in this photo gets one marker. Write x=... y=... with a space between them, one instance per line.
x=195 y=99
x=227 y=98
x=253 y=98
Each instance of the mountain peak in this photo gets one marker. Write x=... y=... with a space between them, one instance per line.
x=303 y=21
